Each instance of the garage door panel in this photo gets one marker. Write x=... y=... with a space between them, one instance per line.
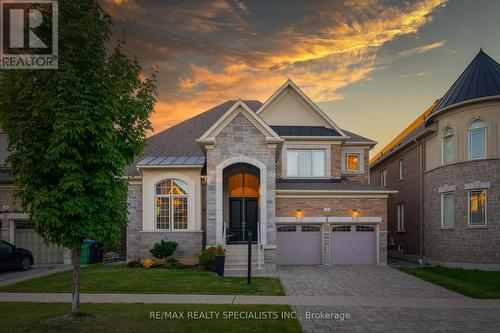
x=296 y=247
x=351 y=247
x=26 y=237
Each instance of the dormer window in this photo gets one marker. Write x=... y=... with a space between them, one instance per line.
x=353 y=162
x=306 y=163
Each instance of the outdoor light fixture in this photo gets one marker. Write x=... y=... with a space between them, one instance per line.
x=299 y=214
x=355 y=213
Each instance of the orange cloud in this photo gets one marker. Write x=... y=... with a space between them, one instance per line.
x=327 y=51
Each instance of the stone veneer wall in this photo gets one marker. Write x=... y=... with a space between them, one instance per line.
x=189 y=243
x=462 y=244
x=240 y=138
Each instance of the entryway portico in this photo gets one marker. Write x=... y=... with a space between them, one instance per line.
x=227 y=203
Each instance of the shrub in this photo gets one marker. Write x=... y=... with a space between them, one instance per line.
x=207 y=259
x=163 y=249
x=151 y=263
x=134 y=264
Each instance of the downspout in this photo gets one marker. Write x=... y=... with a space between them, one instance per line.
x=421 y=201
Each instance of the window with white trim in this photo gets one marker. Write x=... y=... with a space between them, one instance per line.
x=383 y=178
x=477 y=139
x=171 y=205
x=448 y=146
x=306 y=163
x=401 y=217
x=447 y=209
x=477 y=207
x=353 y=162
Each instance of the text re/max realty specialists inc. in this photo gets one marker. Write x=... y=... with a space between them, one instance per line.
x=244 y=315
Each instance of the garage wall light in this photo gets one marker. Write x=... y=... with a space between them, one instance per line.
x=355 y=213
x=299 y=214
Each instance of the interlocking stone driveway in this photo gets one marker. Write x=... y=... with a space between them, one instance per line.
x=370 y=281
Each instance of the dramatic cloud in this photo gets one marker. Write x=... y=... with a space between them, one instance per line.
x=422 y=49
x=212 y=51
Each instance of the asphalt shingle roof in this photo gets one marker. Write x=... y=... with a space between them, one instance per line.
x=481 y=78
x=180 y=140
x=305 y=131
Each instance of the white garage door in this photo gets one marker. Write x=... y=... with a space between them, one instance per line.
x=26 y=237
x=353 y=245
x=299 y=245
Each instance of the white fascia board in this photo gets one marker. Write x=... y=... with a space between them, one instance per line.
x=290 y=83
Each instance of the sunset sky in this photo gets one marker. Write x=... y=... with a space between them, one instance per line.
x=373 y=66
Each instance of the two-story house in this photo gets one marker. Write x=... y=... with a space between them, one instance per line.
x=446 y=168
x=282 y=171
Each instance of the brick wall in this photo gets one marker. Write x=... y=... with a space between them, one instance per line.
x=7 y=198
x=462 y=244
x=286 y=207
x=336 y=161
x=408 y=193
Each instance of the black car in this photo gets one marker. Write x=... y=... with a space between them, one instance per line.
x=13 y=257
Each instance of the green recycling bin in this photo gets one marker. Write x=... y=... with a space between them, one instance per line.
x=85 y=254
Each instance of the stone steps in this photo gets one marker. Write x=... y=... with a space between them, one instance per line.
x=236 y=261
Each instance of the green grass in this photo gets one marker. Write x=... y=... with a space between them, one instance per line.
x=123 y=318
x=473 y=283
x=122 y=279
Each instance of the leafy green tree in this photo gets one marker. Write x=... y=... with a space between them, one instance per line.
x=72 y=131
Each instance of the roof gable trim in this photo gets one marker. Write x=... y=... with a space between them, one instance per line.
x=240 y=107
x=291 y=84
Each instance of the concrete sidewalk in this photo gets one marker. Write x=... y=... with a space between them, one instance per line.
x=339 y=301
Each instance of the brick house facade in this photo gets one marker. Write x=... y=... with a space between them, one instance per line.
x=242 y=166
x=451 y=166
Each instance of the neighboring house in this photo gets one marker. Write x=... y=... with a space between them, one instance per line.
x=16 y=228
x=282 y=170
x=446 y=168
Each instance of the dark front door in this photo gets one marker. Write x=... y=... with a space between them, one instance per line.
x=243 y=217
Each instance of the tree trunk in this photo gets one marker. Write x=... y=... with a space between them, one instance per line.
x=75 y=308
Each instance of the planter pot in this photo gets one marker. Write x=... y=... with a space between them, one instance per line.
x=219 y=265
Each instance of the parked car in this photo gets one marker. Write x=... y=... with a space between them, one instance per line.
x=13 y=257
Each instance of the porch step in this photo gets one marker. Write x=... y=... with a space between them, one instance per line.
x=236 y=261
x=242 y=272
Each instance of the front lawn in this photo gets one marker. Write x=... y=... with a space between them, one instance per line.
x=122 y=279
x=473 y=283
x=41 y=317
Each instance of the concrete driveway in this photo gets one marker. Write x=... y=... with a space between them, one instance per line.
x=376 y=286
x=10 y=277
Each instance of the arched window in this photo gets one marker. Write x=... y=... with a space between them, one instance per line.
x=477 y=139
x=448 y=146
x=171 y=200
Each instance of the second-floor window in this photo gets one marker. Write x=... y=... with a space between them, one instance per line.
x=305 y=163
x=448 y=146
x=353 y=162
x=383 y=178
x=400 y=169
x=477 y=139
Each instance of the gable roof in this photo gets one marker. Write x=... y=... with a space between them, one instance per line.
x=480 y=79
x=180 y=140
x=289 y=83
x=239 y=108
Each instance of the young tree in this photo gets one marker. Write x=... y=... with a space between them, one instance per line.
x=73 y=130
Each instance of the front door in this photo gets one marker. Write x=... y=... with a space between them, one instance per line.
x=243 y=217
